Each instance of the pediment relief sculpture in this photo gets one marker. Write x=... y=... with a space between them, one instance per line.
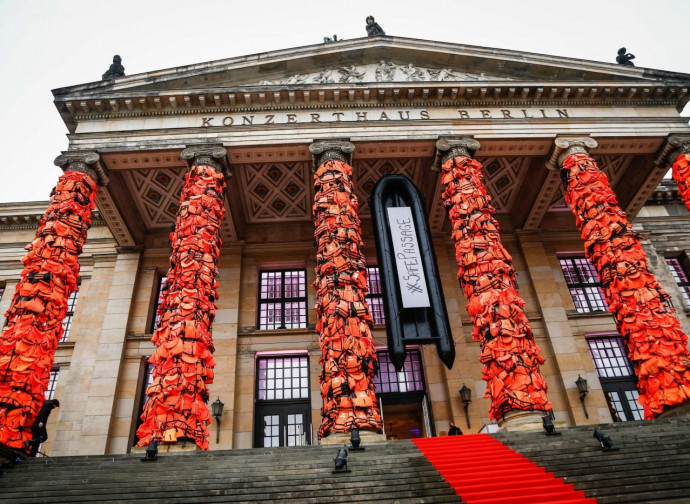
x=384 y=71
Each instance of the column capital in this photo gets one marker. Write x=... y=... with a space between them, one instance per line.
x=323 y=150
x=447 y=147
x=87 y=162
x=214 y=155
x=675 y=146
x=565 y=146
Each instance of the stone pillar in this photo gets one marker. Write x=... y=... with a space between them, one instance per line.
x=176 y=408
x=344 y=322
x=656 y=344
x=677 y=153
x=34 y=318
x=509 y=353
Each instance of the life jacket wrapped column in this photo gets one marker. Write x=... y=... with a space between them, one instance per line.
x=679 y=147
x=183 y=360
x=509 y=353
x=656 y=344
x=344 y=321
x=34 y=319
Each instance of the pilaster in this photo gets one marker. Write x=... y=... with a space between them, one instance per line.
x=568 y=350
x=86 y=422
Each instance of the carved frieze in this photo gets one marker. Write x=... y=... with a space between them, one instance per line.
x=385 y=71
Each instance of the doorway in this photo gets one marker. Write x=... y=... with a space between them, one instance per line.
x=402 y=398
x=282 y=413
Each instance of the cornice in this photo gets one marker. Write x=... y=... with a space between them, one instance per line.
x=374 y=95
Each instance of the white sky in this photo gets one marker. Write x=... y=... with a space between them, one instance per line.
x=48 y=44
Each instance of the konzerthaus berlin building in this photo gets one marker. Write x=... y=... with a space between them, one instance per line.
x=275 y=155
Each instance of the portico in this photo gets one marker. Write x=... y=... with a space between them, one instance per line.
x=391 y=99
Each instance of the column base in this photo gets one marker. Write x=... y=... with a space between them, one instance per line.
x=519 y=420
x=178 y=447
x=679 y=411
x=343 y=438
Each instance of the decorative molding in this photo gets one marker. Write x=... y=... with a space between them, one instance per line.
x=84 y=162
x=367 y=172
x=275 y=191
x=565 y=146
x=447 y=147
x=675 y=146
x=323 y=150
x=214 y=155
x=113 y=218
x=384 y=71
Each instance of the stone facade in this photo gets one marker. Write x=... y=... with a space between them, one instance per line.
x=139 y=125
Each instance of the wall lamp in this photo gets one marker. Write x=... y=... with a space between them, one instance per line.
x=582 y=389
x=466 y=396
x=217 y=411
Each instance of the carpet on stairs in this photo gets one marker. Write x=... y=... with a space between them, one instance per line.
x=484 y=471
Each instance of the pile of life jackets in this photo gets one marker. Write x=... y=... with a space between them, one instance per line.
x=656 y=344
x=183 y=359
x=344 y=322
x=510 y=356
x=681 y=176
x=34 y=319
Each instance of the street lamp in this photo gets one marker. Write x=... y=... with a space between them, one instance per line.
x=466 y=396
x=217 y=411
x=582 y=389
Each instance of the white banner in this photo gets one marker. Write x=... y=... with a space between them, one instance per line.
x=408 y=258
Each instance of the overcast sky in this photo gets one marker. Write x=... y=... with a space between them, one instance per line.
x=49 y=44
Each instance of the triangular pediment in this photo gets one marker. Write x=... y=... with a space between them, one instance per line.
x=376 y=60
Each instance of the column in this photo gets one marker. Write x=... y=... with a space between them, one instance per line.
x=677 y=153
x=509 y=353
x=34 y=318
x=344 y=322
x=176 y=408
x=656 y=344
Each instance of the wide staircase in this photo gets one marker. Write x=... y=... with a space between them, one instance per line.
x=651 y=465
x=382 y=473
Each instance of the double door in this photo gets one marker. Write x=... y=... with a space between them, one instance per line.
x=282 y=424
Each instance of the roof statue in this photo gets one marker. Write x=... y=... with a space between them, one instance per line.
x=624 y=58
x=115 y=70
x=373 y=28
x=328 y=40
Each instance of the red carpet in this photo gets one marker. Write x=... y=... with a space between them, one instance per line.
x=484 y=471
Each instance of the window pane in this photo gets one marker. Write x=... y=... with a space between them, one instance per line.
x=375 y=295
x=159 y=300
x=287 y=378
x=67 y=321
x=610 y=357
x=681 y=277
x=282 y=299
x=407 y=380
x=584 y=285
x=616 y=407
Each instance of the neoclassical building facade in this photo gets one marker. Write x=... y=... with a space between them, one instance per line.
x=231 y=198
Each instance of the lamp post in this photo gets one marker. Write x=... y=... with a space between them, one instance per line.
x=466 y=396
x=582 y=389
x=217 y=411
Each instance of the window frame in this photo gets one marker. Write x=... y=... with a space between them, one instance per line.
x=622 y=385
x=72 y=300
x=154 y=321
x=282 y=300
x=376 y=295
x=683 y=285
x=583 y=286
x=413 y=395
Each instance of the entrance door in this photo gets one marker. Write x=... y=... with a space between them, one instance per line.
x=282 y=414
x=282 y=425
x=404 y=405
